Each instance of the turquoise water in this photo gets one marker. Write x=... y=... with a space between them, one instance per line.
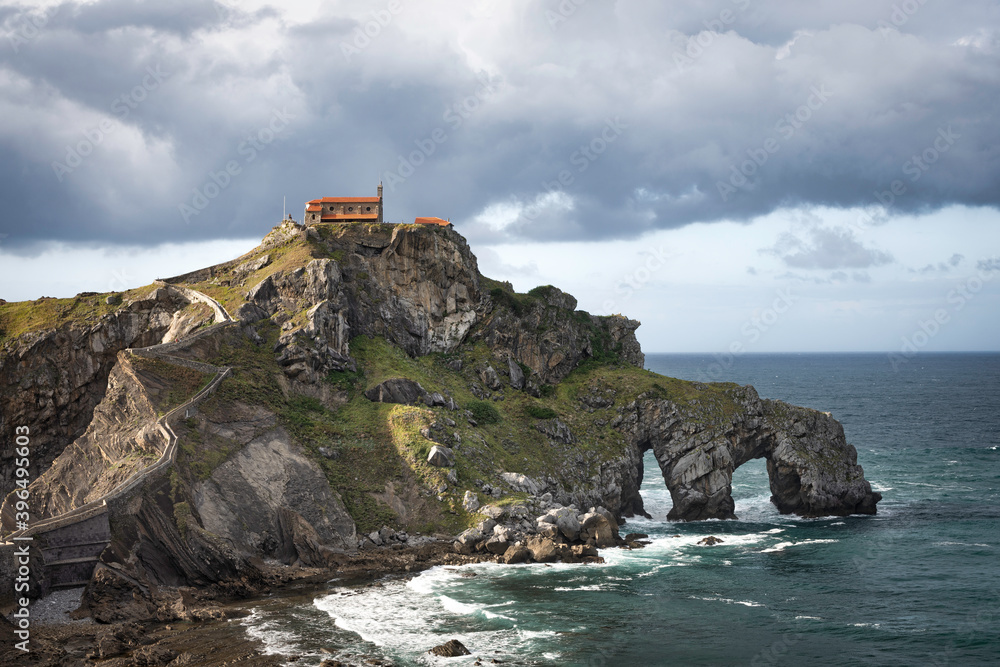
x=918 y=584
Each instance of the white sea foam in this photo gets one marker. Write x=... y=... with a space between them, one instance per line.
x=808 y=618
x=745 y=603
x=275 y=640
x=590 y=587
x=962 y=544
x=781 y=546
x=456 y=607
x=405 y=619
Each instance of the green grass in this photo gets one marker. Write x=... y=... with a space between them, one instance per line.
x=483 y=412
x=169 y=385
x=516 y=303
x=542 y=291
x=345 y=380
x=182 y=513
x=372 y=445
x=368 y=452
x=540 y=411
x=288 y=256
x=200 y=455
x=19 y=318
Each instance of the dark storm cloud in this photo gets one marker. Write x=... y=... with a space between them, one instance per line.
x=606 y=121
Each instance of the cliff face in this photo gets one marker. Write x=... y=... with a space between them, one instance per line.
x=544 y=331
x=379 y=383
x=119 y=440
x=52 y=379
x=416 y=290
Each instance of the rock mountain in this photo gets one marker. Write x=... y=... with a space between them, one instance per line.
x=377 y=385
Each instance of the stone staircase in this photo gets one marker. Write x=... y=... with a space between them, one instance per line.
x=71 y=544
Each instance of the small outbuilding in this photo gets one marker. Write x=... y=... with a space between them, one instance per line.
x=433 y=221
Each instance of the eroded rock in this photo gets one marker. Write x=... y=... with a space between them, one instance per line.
x=450 y=649
x=441 y=457
x=397 y=390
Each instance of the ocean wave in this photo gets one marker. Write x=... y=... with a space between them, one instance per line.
x=745 y=603
x=590 y=587
x=962 y=544
x=781 y=546
x=405 y=619
x=456 y=607
x=275 y=640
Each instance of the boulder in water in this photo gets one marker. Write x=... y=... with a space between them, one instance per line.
x=450 y=649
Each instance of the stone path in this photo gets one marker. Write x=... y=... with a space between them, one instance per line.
x=75 y=539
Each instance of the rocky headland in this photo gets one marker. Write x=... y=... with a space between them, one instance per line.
x=364 y=401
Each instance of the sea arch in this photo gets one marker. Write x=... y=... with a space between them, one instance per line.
x=812 y=470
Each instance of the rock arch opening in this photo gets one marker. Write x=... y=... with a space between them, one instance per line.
x=751 y=488
x=811 y=469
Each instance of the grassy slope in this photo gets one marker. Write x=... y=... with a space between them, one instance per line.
x=169 y=385
x=374 y=444
x=292 y=254
x=19 y=318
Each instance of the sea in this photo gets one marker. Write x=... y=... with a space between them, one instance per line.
x=917 y=584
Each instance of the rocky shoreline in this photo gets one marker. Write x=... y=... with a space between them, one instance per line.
x=122 y=625
x=197 y=627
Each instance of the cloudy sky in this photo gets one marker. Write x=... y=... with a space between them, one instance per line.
x=756 y=175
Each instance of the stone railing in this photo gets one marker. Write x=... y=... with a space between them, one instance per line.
x=163 y=425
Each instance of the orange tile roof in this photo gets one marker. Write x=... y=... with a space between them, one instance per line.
x=431 y=221
x=314 y=208
x=345 y=200
x=350 y=216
